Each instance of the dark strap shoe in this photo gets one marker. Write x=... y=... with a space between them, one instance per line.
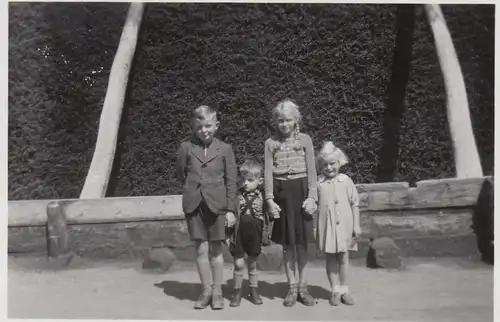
x=255 y=297
x=217 y=299
x=236 y=298
x=347 y=299
x=291 y=297
x=203 y=300
x=304 y=297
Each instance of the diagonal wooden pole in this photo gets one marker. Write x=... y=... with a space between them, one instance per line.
x=97 y=179
x=467 y=162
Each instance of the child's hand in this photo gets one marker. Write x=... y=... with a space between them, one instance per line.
x=230 y=219
x=309 y=206
x=357 y=232
x=274 y=209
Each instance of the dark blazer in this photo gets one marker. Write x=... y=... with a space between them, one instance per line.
x=211 y=177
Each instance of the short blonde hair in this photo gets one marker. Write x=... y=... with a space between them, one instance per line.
x=329 y=152
x=251 y=168
x=204 y=112
x=289 y=105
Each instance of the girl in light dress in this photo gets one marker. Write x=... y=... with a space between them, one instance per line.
x=338 y=224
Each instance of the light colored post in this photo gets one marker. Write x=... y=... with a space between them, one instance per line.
x=467 y=162
x=97 y=179
x=58 y=244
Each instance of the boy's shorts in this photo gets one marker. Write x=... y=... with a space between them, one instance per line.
x=248 y=239
x=205 y=225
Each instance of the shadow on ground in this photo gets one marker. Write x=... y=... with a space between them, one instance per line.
x=191 y=291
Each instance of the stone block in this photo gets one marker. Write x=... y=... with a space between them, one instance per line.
x=384 y=253
x=159 y=259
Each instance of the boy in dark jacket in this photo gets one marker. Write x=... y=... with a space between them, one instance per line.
x=207 y=168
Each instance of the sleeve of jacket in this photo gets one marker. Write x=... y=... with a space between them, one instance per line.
x=230 y=175
x=180 y=167
x=235 y=229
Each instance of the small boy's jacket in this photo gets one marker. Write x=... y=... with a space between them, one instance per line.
x=208 y=175
x=267 y=223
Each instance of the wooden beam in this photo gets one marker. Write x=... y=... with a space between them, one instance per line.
x=467 y=162
x=442 y=193
x=97 y=179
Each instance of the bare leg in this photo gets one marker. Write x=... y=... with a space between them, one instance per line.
x=202 y=263
x=253 y=277
x=343 y=268
x=216 y=262
x=203 y=266
x=332 y=271
x=289 y=259
x=302 y=263
x=239 y=266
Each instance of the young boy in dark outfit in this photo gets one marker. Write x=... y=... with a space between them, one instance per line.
x=250 y=231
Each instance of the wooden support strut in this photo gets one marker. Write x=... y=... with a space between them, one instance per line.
x=97 y=179
x=467 y=162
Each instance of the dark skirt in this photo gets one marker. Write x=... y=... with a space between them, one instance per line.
x=205 y=225
x=295 y=226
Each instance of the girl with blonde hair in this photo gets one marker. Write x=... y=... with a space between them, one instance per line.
x=338 y=225
x=291 y=194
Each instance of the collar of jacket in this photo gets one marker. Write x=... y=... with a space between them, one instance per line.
x=339 y=178
x=198 y=149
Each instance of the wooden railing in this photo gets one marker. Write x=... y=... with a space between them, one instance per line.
x=128 y=226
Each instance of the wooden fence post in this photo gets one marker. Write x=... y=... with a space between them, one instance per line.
x=467 y=162
x=57 y=233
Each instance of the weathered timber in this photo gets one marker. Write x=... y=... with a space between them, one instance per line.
x=132 y=239
x=32 y=212
x=416 y=223
x=440 y=193
x=443 y=193
x=467 y=162
x=382 y=186
x=97 y=179
x=57 y=241
x=27 y=239
x=385 y=200
x=436 y=210
x=28 y=213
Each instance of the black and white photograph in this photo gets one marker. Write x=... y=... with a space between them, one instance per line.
x=250 y=161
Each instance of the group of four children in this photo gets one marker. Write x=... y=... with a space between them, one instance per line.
x=215 y=203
